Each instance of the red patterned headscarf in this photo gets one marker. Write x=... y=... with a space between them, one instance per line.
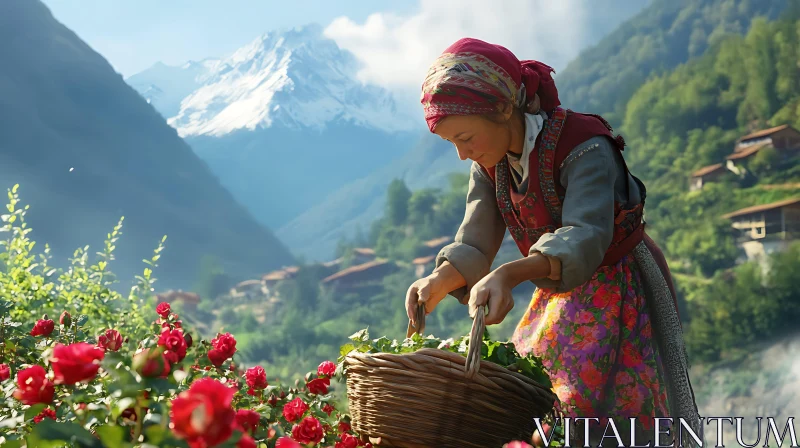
x=472 y=77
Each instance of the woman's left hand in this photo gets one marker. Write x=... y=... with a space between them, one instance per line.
x=494 y=291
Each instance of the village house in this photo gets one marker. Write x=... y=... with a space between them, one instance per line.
x=764 y=229
x=785 y=139
x=711 y=173
x=363 y=255
x=270 y=279
x=432 y=247
x=190 y=300
x=248 y=289
x=363 y=277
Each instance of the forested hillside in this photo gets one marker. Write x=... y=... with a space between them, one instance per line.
x=664 y=35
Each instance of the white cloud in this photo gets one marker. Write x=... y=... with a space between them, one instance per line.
x=396 y=51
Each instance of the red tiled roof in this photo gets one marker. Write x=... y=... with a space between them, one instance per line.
x=436 y=242
x=765 y=132
x=423 y=260
x=707 y=170
x=747 y=152
x=762 y=208
x=355 y=269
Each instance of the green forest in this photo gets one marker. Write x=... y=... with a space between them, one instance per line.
x=674 y=123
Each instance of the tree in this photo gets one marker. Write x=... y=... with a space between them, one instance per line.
x=764 y=162
x=211 y=278
x=420 y=212
x=397 y=197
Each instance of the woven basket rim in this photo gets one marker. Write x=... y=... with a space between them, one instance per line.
x=491 y=366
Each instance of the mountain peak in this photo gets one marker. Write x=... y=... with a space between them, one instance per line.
x=295 y=78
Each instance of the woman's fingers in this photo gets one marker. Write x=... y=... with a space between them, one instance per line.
x=499 y=306
x=477 y=297
x=424 y=293
x=411 y=304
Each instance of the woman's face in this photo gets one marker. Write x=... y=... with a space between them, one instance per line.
x=476 y=138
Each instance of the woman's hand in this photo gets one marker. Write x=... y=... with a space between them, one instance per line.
x=432 y=289
x=428 y=291
x=494 y=291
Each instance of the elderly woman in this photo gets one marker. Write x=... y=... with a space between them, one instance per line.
x=603 y=318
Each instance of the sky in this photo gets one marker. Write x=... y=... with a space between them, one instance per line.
x=395 y=40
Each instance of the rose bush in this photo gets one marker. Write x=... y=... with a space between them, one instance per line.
x=119 y=371
x=158 y=392
x=122 y=371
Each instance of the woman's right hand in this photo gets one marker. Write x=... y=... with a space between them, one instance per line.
x=428 y=291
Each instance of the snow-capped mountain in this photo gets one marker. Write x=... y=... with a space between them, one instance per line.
x=295 y=79
x=166 y=86
x=283 y=121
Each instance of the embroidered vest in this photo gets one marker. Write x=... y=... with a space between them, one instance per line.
x=529 y=216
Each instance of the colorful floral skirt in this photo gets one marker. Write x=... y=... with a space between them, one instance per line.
x=597 y=343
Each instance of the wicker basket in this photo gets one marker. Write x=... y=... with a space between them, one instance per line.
x=438 y=399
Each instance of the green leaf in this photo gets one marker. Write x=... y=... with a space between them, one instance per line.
x=154 y=434
x=160 y=386
x=360 y=336
x=48 y=431
x=82 y=319
x=12 y=444
x=34 y=410
x=111 y=435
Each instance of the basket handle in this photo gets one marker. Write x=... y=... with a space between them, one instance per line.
x=473 y=364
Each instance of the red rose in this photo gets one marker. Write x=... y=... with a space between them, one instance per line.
x=216 y=357
x=273 y=400
x=151 y=363
x=130 y=413
x=319 y=386
x=163 y=309
x=75 y=363
x=110 y=340
x=248 y=420
x=348 y=441
x=33 y=387
x=65 y=319
x=308 y=431
x=344 y=427
x=326 y=368
x=225 y=343
x=256 y=377
x=287 y=442
x=246 y=442
x=171 y=357
x=46 y=413
x=203 y=413
x=43 y=327
x=177 y=324
x=328 y=409
x=5 y=372
x=173 y=341
x=294 y=409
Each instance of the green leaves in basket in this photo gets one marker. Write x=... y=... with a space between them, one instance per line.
x=500 y=353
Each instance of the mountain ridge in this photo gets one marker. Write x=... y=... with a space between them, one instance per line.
x=86 y=150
